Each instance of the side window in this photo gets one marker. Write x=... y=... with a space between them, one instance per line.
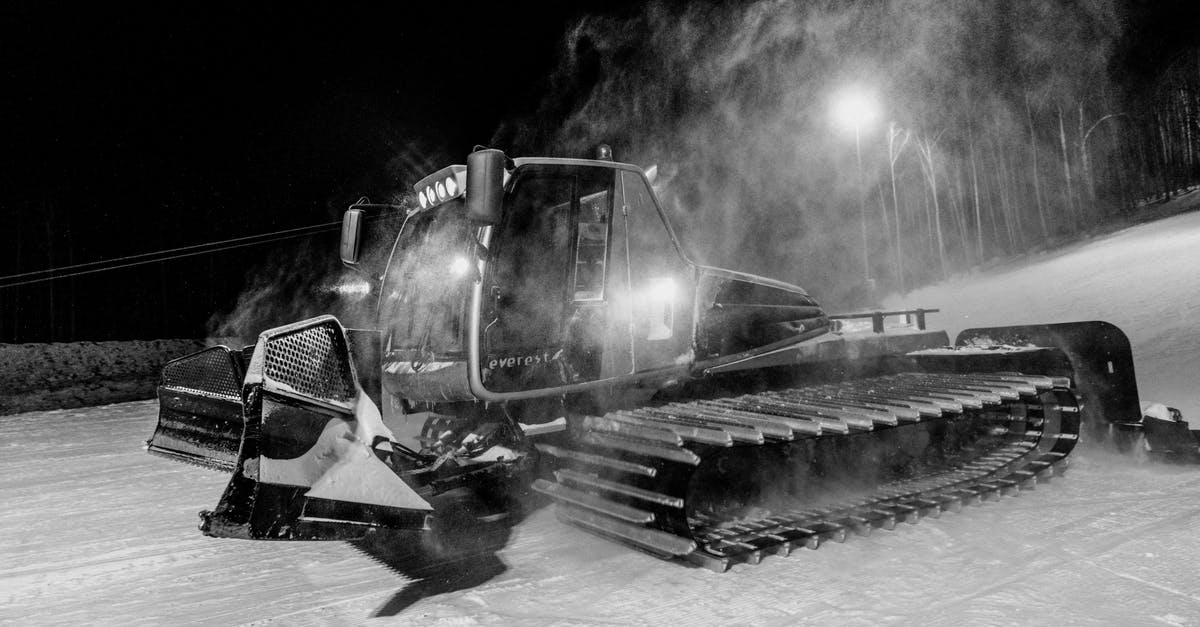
x=659 y=278
x=652 y=251
x=591 y=247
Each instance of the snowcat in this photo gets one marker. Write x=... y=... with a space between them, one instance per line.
x=540 y=326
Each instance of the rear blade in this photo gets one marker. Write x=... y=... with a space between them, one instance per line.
x=200 y=409
x=306 y=469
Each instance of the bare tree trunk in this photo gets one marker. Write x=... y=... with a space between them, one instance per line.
x=927 y=209
x=1012 y=175
x=1037 y=186
x=887 y=224
x=912 y=253
x=925 y=150
x=990 y=209
x=1062 y=134
x=1164 y=149
x=1144 y=166
x=1192 y=111
x=883 y=213
x=1189 y=124
x=975 y=191
x=893 y=156
x=1168 y=142
x=960 y=212
x=1002 y=190
x=1088 y=195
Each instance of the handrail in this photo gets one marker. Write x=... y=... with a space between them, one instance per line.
x=878 y=316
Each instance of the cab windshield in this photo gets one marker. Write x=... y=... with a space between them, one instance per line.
x=427 y=283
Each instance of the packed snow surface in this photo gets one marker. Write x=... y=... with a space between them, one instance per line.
x=1145 y=280
x=97 y=531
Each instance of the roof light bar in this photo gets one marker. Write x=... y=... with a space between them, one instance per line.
x=441 y=186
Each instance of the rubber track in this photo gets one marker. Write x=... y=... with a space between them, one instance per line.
x=621 y=480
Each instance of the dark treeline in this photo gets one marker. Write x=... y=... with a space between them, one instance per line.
x=1003 y=127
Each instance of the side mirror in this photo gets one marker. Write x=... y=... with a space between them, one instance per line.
x=485 y=186
x=352 y=224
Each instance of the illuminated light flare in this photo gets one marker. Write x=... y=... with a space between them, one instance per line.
x=441 y=190
x=459 y=266
x=424 y=200
x=854 y=107
x=352 y=288
x=661 y=289
x=451 y=186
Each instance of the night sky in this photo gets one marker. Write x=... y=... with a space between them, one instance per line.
x=138 y=130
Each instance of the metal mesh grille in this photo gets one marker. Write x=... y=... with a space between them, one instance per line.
x=210 y=372
x=313 y=361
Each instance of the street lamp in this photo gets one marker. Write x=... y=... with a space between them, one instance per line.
x=855 y=107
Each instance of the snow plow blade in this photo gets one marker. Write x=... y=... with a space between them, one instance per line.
x=730 y=480
x=200 y=409
x=314 y=458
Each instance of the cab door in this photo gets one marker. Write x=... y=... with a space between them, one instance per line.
x=549 y=284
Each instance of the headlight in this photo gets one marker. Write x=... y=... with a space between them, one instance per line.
x=661 y=290
x=459 y=266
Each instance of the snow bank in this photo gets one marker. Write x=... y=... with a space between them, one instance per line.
x=77 y=374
